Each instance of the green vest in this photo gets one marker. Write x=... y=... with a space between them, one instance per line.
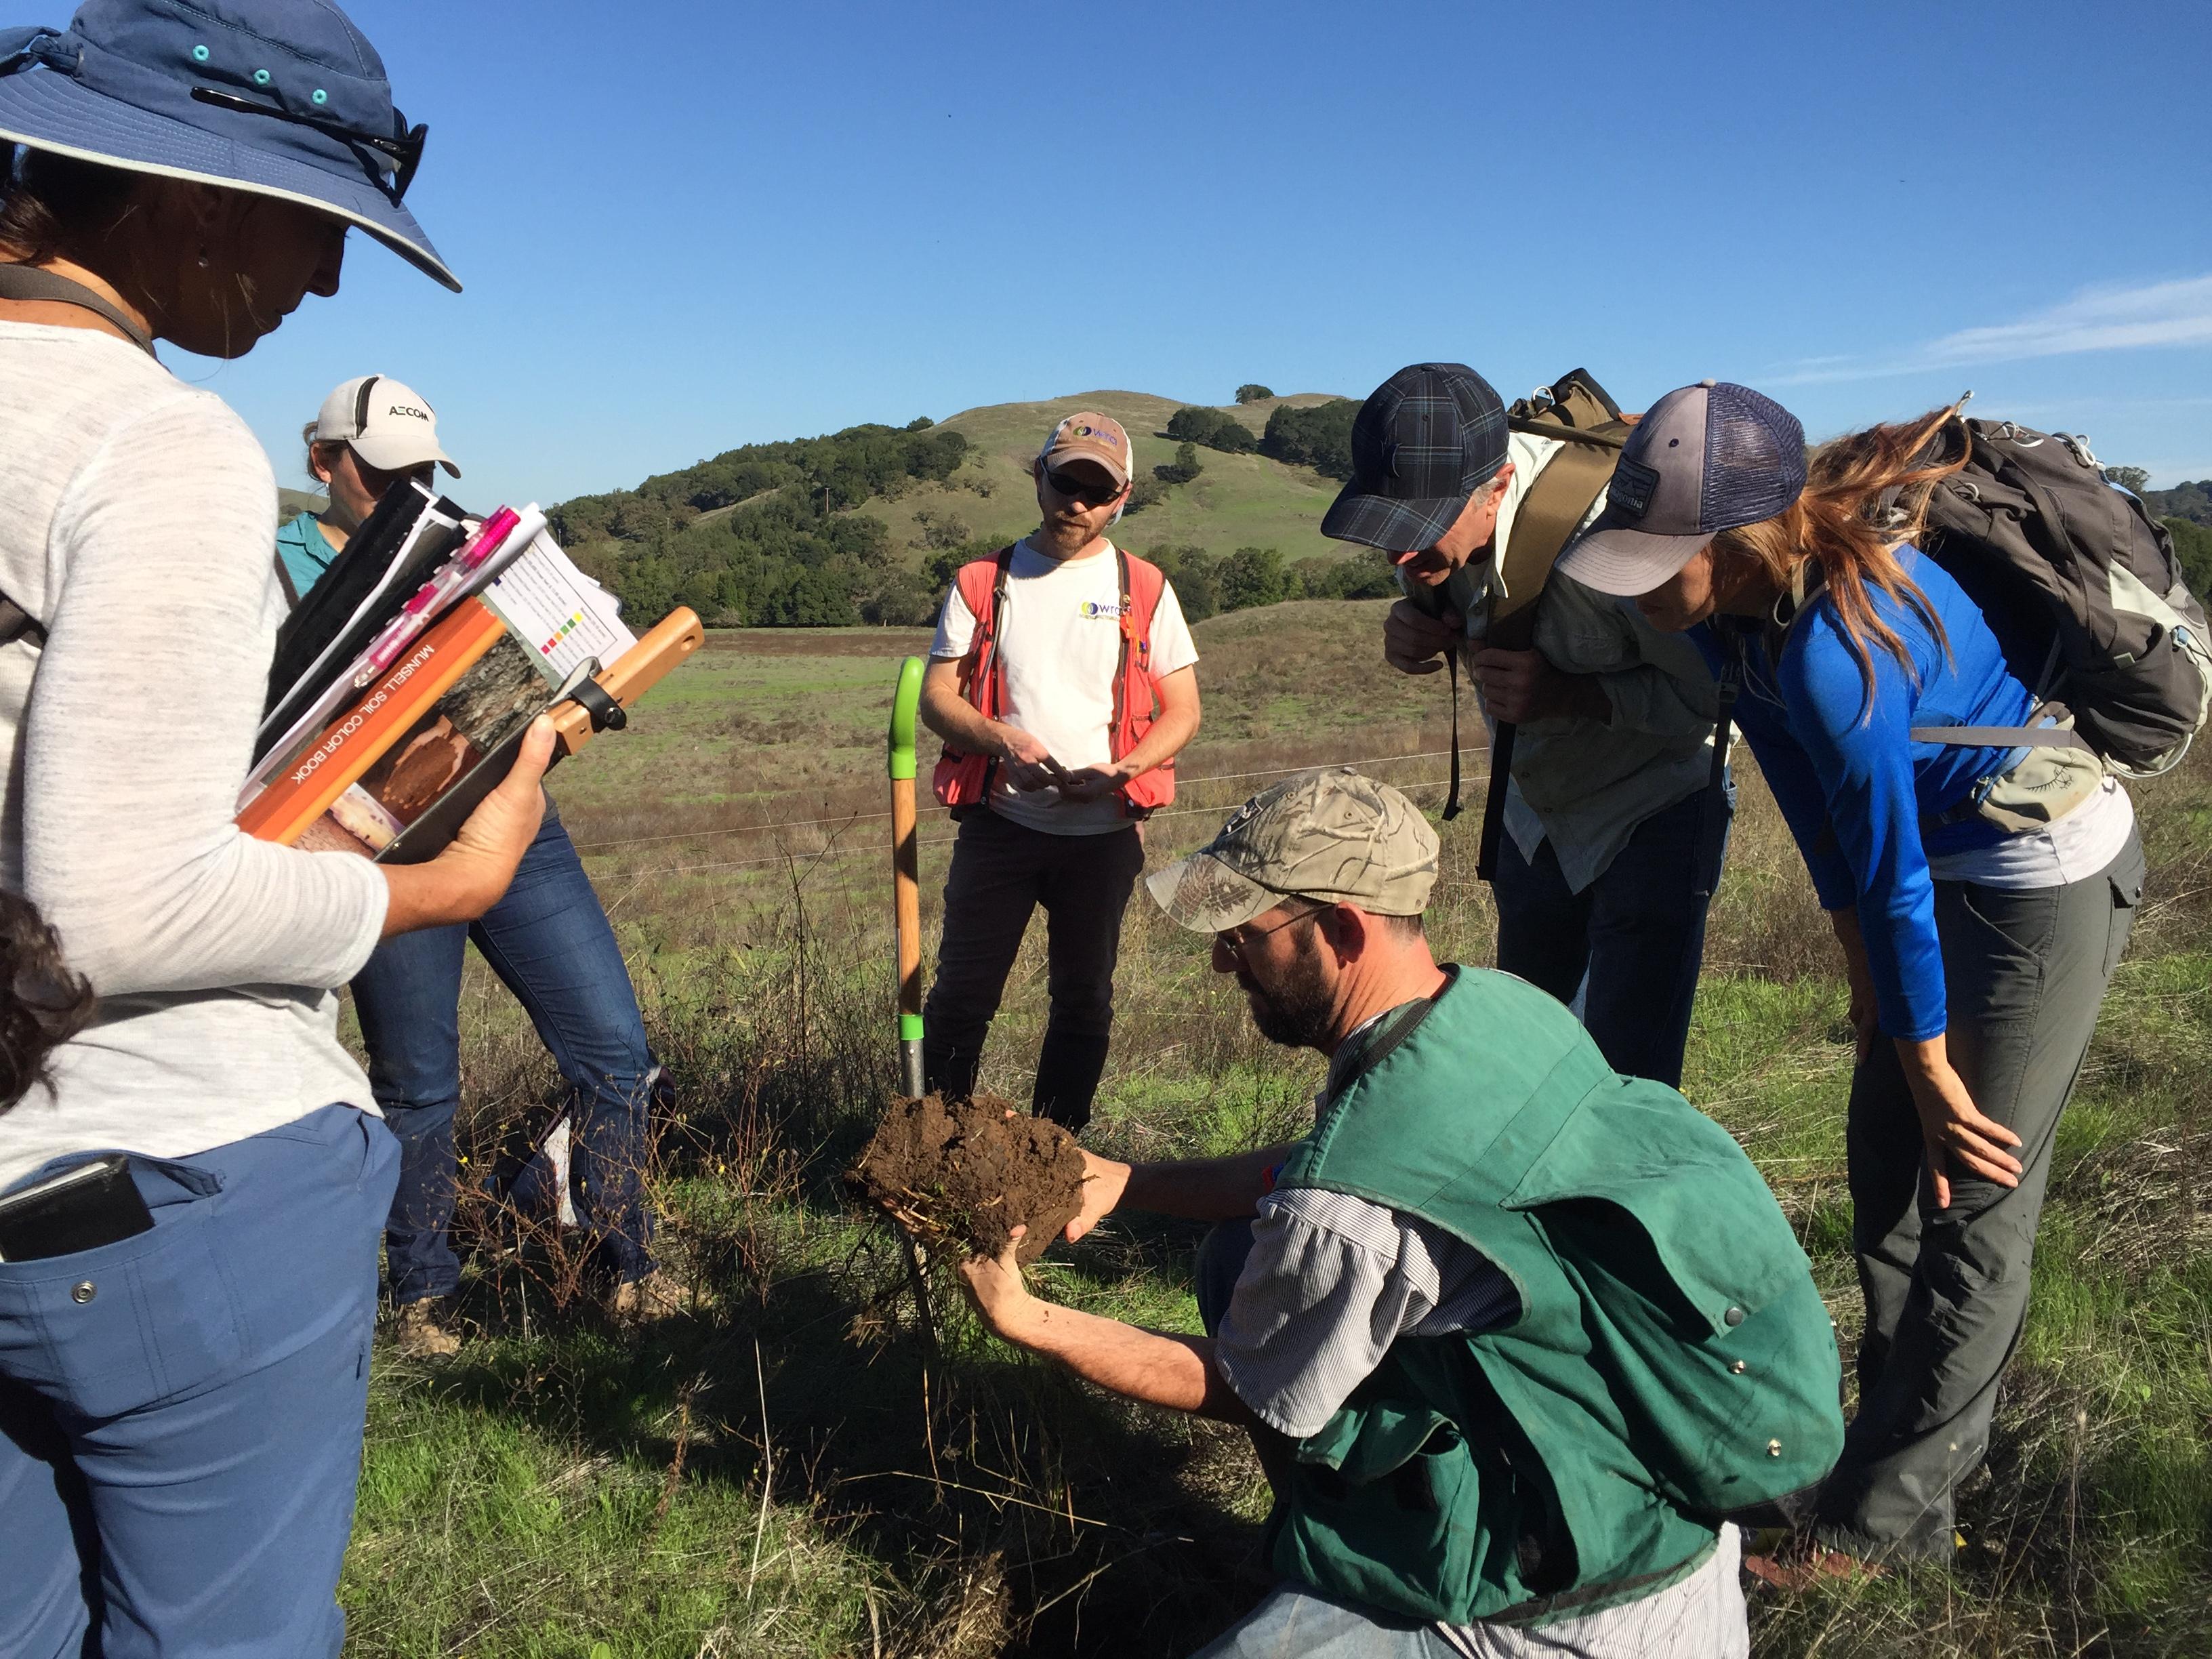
x=1672 y=1360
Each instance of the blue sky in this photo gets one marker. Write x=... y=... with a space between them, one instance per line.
x=688 y=226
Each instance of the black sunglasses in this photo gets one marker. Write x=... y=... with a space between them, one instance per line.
x=1236 y=941
x=1091 y=492
x=405 y=153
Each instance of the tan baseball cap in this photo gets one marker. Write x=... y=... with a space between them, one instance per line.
x=1331 y=836
x=1087 y=435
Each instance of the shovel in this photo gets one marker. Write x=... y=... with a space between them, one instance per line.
x=906 y=918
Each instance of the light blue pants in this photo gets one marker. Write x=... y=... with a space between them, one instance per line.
x=180 y=1444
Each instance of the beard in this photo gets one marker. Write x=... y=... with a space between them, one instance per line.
x=1298 y=1010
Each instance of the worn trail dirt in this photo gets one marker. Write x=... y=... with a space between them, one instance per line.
x=965 y=1173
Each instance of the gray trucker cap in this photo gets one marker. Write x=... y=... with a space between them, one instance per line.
x=1708 y=458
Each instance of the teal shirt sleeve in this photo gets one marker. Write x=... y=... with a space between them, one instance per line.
x=304 y=552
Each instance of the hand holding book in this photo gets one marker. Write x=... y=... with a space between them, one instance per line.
x=472 y=873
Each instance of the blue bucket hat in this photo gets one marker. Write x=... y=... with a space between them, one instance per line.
x=283 y=98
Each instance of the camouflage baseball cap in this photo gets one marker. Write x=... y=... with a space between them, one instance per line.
x=1331 y=836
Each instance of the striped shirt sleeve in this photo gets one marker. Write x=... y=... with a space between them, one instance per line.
x=1330 y=1283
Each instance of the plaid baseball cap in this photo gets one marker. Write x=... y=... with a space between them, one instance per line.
x=1708 y=457
x=1425 y=440
x=1087 y=435
x=1335 y=835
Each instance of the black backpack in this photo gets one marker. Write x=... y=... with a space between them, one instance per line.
x=2079 y=585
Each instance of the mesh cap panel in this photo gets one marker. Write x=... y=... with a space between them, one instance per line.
x=1755 y=458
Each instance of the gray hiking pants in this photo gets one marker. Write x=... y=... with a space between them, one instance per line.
x=1947 y=1290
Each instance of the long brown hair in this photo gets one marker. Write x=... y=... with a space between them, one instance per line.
x=1866 y=496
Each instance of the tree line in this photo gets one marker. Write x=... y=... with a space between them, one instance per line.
x=1320 y=437
x=756 y=538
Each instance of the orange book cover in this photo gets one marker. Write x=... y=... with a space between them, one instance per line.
x=325 y=767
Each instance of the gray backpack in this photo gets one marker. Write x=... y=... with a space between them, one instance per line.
x=2079 y=585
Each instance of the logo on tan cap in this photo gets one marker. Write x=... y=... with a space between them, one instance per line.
x=1087 y=435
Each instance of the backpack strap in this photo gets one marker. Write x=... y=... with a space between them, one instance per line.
x=19 y=282
x=982 y=678
x=980 y=670
x=1712 y=823
x=2004 y=737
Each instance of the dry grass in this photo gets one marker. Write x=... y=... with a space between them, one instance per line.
x=562 y=1486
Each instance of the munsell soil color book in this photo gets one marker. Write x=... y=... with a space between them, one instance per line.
x=414 y=709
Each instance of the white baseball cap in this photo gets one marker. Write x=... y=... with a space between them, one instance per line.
x=389 y=425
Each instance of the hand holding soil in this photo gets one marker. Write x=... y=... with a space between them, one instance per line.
x=966 y=1173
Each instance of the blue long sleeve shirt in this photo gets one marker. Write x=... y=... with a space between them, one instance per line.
x=1854 y=786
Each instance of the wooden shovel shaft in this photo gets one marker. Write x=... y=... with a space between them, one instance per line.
x=906 y=872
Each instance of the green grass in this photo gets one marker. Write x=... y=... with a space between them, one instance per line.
x=529 y=1498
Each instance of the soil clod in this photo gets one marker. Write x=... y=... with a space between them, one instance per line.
x=965 y=1173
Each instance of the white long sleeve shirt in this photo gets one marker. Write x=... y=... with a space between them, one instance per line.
x=137 y=518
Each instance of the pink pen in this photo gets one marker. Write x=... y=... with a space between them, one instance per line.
x=384 y=650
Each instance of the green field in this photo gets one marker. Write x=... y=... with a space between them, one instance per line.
x=782 y=1473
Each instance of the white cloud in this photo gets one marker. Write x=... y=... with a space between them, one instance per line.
x=2175 y=313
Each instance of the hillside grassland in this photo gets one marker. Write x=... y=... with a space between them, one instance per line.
x=1238 y=500
x=791 y=1471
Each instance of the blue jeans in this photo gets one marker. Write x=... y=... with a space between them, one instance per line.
x=1637 y=935
x=548 y=941
x=180 y=1412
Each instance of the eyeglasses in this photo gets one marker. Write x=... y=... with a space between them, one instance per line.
x=1091 y=492
x=1236 y=941
x=405 y=153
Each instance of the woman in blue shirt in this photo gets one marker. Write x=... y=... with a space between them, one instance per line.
x=1982 y=896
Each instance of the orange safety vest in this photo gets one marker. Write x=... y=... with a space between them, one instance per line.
x=963 y=780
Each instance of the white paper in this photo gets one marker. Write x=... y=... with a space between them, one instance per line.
x=558 y=611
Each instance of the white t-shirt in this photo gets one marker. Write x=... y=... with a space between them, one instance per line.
x=1060 y=641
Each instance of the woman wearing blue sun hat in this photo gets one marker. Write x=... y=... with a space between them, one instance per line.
x=188 y=1211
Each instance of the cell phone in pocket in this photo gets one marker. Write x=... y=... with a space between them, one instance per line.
x=81 y=1208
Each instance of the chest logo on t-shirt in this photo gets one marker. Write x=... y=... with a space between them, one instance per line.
x=1091 y=609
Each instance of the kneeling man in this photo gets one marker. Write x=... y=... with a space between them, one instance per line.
x=1514 y=1333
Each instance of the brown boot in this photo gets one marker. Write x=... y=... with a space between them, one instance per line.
x=417 y=1334
x=659 y=1295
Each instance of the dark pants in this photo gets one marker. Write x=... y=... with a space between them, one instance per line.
x=1638 y=932
x=1001 y=872
x=1947 y=1290
x=548 y=941
x=180 y=1412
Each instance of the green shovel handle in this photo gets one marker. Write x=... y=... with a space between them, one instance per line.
x=906 y=701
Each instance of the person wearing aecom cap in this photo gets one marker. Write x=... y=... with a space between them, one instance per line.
x=1602 y=872
x=1978 y=940
x=548 y=939
x=182 y=1391
x=371 y=433
x=1064 y=683
x=1435 y=1312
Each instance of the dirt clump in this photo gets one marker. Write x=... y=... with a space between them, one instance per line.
x=965 y=1173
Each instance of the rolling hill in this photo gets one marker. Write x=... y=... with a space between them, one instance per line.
x=1238 y=500
x=858 y=525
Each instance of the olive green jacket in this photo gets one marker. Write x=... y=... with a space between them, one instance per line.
x=1672 y=1361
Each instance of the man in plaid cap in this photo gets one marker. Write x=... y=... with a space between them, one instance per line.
x=1600 y=882
x=1435 y=1312
x=1063 y=681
